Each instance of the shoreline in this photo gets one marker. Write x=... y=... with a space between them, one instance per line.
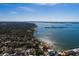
x=17 y=40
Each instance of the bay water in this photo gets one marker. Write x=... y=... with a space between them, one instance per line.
x=62 y=36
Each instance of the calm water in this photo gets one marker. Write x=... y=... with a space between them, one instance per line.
x=61 y=38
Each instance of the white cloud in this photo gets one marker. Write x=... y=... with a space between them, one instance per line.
x=22 y=8
x=13 y=12
x=7 y=4
x=26 y=8
x=47 y=4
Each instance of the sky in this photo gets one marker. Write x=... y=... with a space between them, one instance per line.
x=57 y=12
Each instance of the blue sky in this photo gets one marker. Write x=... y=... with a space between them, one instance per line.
x=39 y=12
